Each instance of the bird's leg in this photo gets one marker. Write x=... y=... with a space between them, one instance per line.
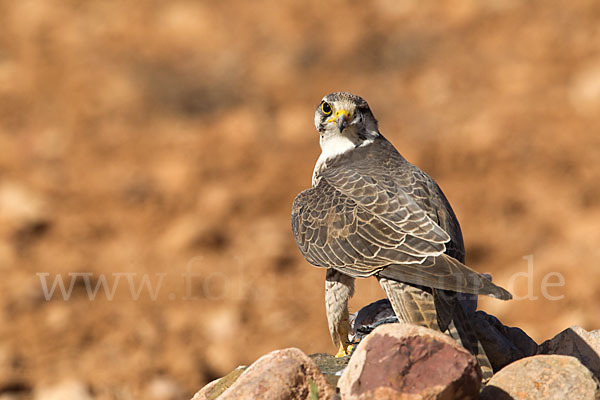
x=338 y=289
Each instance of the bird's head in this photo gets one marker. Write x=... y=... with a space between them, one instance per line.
x=345 y=116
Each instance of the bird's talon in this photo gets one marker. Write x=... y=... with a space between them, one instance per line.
x=345 y=350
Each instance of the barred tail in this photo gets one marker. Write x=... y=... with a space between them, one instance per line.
x=440 y=311
x=460 y=329
x=411 y=304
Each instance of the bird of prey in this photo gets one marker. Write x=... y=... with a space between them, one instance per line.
x=370 y=212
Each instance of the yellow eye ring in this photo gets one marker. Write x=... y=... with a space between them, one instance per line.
x=325 y=108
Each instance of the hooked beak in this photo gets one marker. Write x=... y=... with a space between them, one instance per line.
x=341 y=118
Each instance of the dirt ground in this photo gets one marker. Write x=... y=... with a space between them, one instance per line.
x=152 y=150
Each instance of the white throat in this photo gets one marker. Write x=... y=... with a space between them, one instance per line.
x=333 y=146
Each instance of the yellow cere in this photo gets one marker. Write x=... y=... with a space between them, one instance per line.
x=337 y=114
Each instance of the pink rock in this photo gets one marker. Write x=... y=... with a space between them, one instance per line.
x=281 y=374
x=403 y=361
x=205 y=392
x=214 y=389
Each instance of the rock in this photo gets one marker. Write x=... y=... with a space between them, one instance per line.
x=330 y=366
x=215 y=388
x=182 y=233
x=542 y=377
x=281 y=374
x=163 y=388
x=502 y=344
x=206 y=393
x=15 y=389
x=72 y=390
x=410 y=362
x=23 y=213
x=19 y=205
x=579 y=343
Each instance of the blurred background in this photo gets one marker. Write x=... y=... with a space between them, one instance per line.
x=155 y=148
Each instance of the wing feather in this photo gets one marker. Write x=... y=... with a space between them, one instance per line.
x=364 y=217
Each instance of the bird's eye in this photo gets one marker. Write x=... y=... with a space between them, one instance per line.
x=326 y=108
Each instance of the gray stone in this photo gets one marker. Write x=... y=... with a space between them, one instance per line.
x=542 y=377
x=330 y=366
x=410 y=362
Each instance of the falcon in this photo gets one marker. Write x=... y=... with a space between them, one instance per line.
x=370 y=212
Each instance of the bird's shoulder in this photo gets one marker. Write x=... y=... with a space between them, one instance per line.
x=378 y=167
x=379 y=178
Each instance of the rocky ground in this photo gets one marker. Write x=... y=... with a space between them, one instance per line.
x=409 y=362
x=162 y=143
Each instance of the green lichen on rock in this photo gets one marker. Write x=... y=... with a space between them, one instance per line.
x=330 y=366
x=225 y=382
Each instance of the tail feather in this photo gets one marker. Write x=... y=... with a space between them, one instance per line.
x=438 y=310
x=411 y=304
x=460 y=329
x=447 y=273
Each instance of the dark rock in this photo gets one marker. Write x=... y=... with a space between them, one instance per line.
x=408 y=361
x=282 y=374
x=542 y=377
x=502 y=344
x=579 y=343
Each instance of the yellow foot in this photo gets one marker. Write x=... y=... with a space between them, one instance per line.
x=345 y=349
